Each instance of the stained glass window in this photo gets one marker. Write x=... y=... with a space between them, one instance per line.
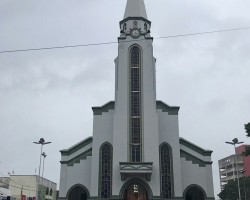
x=106 y=171
x=135 y=104
x=166 y=174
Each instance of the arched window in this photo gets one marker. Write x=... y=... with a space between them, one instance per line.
x=135 y=104
x=106 y=171
x=47 y=191
x=51 y=192
x=166 y=171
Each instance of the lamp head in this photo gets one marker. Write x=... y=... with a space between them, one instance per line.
x=41 y=140
x=235 y=140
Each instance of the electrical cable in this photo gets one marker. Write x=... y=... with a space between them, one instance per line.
x=108 y=43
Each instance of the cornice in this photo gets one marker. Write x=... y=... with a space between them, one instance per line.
x=105 y=108
x=78 y=146
x=134 y=18
x=194 y=159
x=195 y=148
x=78 y=158
x=171 y=110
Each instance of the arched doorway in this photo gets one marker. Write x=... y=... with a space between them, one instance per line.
x=135 y=191
x=78 y=192
x=194 y=193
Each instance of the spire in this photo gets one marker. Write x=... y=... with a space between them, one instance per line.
x=135 y=8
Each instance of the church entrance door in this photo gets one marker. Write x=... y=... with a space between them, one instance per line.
x=135 y=192
x=194 y=193
x=77 y=193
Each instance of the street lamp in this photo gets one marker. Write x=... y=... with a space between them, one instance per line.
x=243 y=172
x=44 y=156
x=41 y=142
x=234 y=142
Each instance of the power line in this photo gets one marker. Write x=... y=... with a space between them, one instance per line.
x=203 y=33
x=108 y=43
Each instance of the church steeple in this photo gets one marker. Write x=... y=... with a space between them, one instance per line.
x=135 y=8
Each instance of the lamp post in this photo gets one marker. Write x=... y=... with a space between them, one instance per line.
x=243 y=172
x=44 y=156
x=41 y=142
x=234 y=142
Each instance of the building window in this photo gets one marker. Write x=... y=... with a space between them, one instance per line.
x=124 y=27
x=135 y=104
x=166 y=173
x=51 y=192
x=106 y=171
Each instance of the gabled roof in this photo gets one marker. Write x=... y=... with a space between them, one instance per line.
x=135 y=8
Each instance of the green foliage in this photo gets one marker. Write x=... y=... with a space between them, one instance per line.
x=230 y=192
x=247 y=128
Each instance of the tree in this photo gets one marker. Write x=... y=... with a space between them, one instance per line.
x=247 y=128
x=230 y=191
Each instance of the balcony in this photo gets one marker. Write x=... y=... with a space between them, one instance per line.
x=136 y=169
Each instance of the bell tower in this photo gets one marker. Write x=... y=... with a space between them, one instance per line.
x=135 y=126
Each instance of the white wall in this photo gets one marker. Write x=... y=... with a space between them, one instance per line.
x=169 y=133
x=102 y=132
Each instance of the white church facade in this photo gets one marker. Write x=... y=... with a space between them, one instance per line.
x=135 y=151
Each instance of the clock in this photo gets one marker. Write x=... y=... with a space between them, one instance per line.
x=135 y=33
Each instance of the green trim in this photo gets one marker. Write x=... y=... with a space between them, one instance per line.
x=78 y=158
x=78 y=146
x=105 y=108
x=134 y=18
x=195 y=147
x=194 y=159
x=137 y=163
x=172 y=110
x=96 y=197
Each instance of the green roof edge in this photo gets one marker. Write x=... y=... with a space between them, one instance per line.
x=76 y=147
x=186 y=143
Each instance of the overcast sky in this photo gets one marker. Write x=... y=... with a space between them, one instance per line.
x=50 y=93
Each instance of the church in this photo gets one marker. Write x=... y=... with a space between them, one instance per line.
x=135 y=152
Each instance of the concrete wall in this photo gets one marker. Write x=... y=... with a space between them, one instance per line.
x=28 y=183
x=102 y=132
x=169 y=133
x=194 y=174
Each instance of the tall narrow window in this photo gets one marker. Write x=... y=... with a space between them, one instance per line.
x=135 y=104
x=106 y=171
x=166 y=174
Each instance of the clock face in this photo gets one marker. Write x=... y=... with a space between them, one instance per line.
x=135 y=33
